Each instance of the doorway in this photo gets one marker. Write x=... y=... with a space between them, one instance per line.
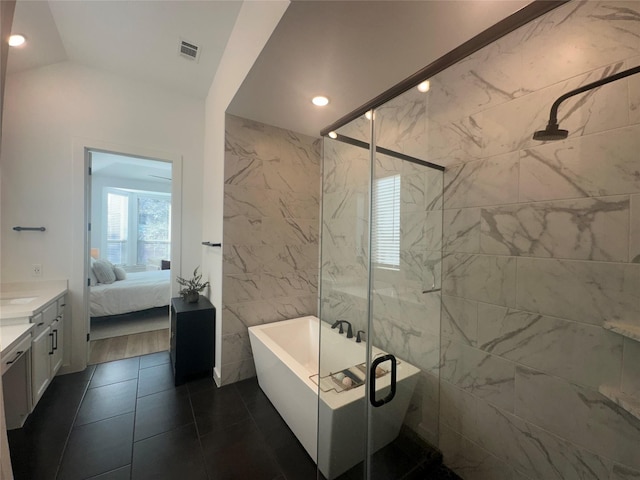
x=129 y=243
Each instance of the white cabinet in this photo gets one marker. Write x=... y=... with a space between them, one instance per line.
x=46 y=348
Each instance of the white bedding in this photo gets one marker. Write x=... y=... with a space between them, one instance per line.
x=139 y=291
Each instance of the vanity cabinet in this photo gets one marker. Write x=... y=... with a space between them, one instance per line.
x=46 y=347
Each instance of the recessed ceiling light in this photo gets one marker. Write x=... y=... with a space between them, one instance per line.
x=424 y=86
x=320 y=101
x=369 y=115
x=16 y=40
x=333 y=134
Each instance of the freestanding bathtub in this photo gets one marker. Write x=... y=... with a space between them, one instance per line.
x=286 y=355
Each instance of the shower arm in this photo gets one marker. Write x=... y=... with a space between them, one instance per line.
x=553 y=114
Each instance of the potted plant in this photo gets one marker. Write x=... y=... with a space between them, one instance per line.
x=192 y=287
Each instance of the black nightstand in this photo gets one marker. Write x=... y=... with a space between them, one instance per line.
x=193 y=327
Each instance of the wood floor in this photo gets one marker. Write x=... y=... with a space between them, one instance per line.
x=115 y=348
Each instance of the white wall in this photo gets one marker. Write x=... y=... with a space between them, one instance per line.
x=256 y=21
x=49 y=114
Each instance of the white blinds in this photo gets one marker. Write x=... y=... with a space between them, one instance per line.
x=386 y=222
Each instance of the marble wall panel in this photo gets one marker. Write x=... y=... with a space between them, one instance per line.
x=242 y=230
x=591 y=112
x=472 y=462
x=345 y=166
x=631 y=368
x=480 y=277
x=634 y=229
x=579 y=414
x=594 y=165
x=289 y=231
x=487 y=182
x=634 y=92
x=484 y=375
x=534 y=451
x=458 y=410
x=346 y=204
x=452 y=142
x=422 y=415
x=460 y=320
x=620 y=472
x=236 y=347
x=237 y=371
x=248 y=201
x=248 y=139
x=587 y=229
x=243 y=287
x=587 y=292
x=461 y=230
x=580 y=353
x=243 y=171
x=241 y=259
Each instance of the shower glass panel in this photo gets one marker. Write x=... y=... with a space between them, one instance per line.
x=381 y=253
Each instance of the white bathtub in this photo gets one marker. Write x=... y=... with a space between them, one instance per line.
x=286 y=356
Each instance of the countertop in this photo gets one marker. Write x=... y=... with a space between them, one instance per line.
x=23 y=299
x=11 y=335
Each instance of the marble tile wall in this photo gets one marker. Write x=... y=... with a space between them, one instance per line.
x=270 y=246
x=541 y=246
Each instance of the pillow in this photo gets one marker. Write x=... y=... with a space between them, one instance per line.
x=93 y=281
x=120 y=273
x=104 y=271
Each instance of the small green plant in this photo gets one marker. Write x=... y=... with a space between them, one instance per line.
x=192 y=287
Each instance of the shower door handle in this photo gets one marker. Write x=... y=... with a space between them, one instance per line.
x=372 y=382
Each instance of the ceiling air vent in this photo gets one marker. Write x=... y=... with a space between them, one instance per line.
x=189 y=50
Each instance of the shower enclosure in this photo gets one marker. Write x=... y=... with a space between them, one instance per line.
x=381 y=256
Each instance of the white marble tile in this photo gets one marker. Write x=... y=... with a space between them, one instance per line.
x=534 y=451
x=621 y=472
x=480 y=183
x=458 y=410
x=631 y=368
x=298 y=283
x=236 y=347
x=480 y=277
x=292 y=204
x=584 y=229
x=594 y=165
x=580 y=353
x=241 y=288
x=248 y=139
x=422 y=415
x=470 y=461
x=344 y=166
x=412 y=192
x=634 y=229
x=243 y=171
x=634 y=92
x=288 y=258
x=579 y=414
x=509 y=127
x=461 y=230
x=460 y=319
x=453 y=142
x=347 y=204
x=241 y=259
x=486 y=376
x=434 y=189
x=242 y=230
x=289 y=231
x=237 y=371
x=248 y=201
x=587 y=292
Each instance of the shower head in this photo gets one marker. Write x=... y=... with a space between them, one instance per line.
x=552 y=132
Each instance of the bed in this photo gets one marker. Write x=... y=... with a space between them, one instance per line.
x=138 y=291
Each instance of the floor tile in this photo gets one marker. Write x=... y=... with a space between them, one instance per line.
x=238 y=452
x=249 y=390
x=171 y=455
x=98 y=448
x=113 y=372
x=201 y=385
x=108 y=401
x=154 y=359
x=274 y=429
x=218 y=408
x=161 y=412
x=155 y=379
x=295 y=462
x=122 y=473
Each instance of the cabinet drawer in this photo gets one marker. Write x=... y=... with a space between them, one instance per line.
x=15 y=353
x=39 y=324
x=62 y=302
x=50 y=313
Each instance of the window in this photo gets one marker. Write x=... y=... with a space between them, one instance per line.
x=147 y=216
x=386 y=223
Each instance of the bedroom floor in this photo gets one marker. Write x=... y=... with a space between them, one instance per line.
x=126 y=346
x=126 y=420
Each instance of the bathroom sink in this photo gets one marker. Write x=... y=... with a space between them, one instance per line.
x=16 y=301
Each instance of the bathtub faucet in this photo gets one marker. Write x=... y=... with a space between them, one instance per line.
x=339 y=324
x=358 y=337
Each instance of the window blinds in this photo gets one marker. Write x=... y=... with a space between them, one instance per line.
x=386 y=222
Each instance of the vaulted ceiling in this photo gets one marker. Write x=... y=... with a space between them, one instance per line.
x=349 y=51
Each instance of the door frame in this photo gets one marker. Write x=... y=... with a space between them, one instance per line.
x=76 y=344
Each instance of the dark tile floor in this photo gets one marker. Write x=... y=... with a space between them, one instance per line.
x=126 y=420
